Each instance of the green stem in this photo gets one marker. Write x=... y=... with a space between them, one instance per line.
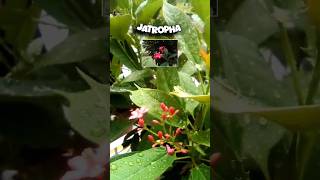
x=185 y=157
x=290 y=57
x=150 y=131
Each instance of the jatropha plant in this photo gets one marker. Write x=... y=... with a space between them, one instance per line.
x=170 y=105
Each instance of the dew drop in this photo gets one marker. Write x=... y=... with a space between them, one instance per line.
x=131 y=163
x=140 y=155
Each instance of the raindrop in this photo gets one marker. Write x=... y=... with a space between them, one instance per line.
x=131 y=163
x=140 y=155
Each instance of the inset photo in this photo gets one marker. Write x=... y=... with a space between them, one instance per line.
x=160 y=53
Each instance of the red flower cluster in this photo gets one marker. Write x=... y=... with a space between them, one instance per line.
x=166 y=139
x=168 y=113
x=158 y=55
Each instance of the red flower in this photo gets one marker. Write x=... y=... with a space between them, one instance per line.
x=163 y=107
x=150 y=138
x=157 y=55
x=141 y=122
x=170 y=150
x=160 y=134
x=162 y=49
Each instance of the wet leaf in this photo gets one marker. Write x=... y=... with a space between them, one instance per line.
x=148 y=164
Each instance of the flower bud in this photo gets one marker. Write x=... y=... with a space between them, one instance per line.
x=155 y=122
x=178 y=131
x=171 y=110
x=163 y=107
x=214 y=158
x=184 y=151
x=150 y=138
x=160 y=134
x=167 y=136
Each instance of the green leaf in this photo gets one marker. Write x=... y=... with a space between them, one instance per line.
x=115 y=67
x=292 y=117
x=87 y=111
x=146 y=10
x=202 y=8
x=201 y=172
x=151 y=99
x=178 y=91
x=253 y=145
x=206 y=33
x=243 y=63
x=119 y=127
x=99 y=88
x=188 y=37
x=137 y=75
x=122 y=53
x=19 y=26
x=245 y=22
x=201 y=137
x=188 y=84
x=119 y=26
x=148 y=164
x=77 y=15
x=79 y=47
x=167 y=78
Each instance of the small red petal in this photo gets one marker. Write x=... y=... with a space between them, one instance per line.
x=171 y=110
x=160 y=134
x=141 y=122
x=163 y=107
x=150 y=138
